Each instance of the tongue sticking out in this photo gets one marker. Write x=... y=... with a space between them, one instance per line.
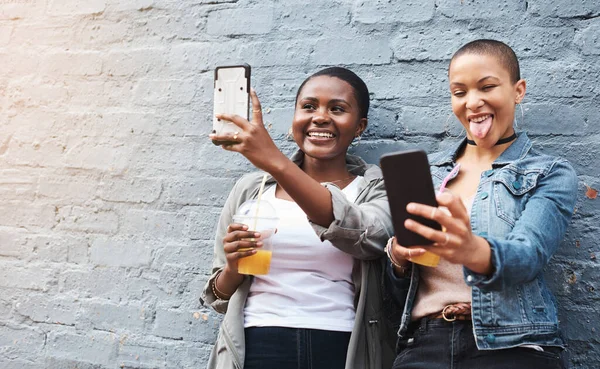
x=480 y=129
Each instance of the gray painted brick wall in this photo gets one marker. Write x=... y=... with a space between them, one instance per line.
x=110 y=189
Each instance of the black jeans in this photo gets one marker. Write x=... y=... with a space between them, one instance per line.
x=294 y=348
x=437 y=344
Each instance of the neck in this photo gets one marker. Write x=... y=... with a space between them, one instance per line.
x=482 y=154
x=502 y=141
x=326 y=170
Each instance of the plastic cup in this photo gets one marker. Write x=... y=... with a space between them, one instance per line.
x=427 y=259
x=263 y=221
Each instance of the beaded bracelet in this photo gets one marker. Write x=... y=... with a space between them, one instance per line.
x=216 y=291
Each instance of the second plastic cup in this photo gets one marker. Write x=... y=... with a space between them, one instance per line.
x=263 y=221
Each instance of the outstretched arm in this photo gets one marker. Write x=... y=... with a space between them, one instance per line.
x=253 y=141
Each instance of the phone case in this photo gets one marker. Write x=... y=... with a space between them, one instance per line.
x=231 y=95
x=408 y=179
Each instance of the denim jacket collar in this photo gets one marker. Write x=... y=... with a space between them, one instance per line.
x=514 y=152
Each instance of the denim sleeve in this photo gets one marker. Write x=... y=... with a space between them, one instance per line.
x=360 y=230
x=524 y=252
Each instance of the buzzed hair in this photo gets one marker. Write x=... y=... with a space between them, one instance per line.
x=497 y=49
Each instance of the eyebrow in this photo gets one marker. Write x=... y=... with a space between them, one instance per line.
x=480 y=80
x=332 y=101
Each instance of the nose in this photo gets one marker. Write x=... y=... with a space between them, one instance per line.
x=320 y=116
x=474 y=101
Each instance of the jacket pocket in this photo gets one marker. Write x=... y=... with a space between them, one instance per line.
x=537 y=302
x=512 y=189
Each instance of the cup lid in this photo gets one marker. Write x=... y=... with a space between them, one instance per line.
x=253 y=208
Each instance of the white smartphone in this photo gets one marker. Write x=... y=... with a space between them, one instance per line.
x=231 y=95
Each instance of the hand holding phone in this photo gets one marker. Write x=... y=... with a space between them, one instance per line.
x=408 y=179
x=231 y=96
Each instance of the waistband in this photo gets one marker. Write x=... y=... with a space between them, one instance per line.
x=452 y=312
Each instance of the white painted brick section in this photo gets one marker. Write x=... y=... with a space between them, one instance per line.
x=588 y=39
x=244 y=21
x=28 y=277
x=480 y=9
x=73 y=64
x=51 y=310
x=21 y=342
x=111 y=252
x=382 y=11
x=372 y=51
x=22 y=9
x=96 y=347
x=74 y=7
x=87 y=220
x=5 y=34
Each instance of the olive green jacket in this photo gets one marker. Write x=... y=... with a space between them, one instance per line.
x=361 y=229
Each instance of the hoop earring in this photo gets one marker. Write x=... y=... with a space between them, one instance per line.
x=356 y=141
x=522 y=116
x=447 y=128
x=289 y=135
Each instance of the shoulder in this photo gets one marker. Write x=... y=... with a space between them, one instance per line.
x=356 y=165
x=537 y=170
x=249 y=180
x=246 y=185
x=536 y=161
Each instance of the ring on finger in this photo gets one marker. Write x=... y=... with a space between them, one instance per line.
x=256 y=111
x=446 y=240
x=409 y=255
x=235 y=135
x=433 y=211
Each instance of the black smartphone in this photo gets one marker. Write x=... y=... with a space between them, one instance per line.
x=408 y=179
x=231 y=96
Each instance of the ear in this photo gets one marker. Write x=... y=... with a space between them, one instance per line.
x=520 y=88
x=362 y=125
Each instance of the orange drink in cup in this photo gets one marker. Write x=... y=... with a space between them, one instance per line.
x=259 y=217
x=427 y=259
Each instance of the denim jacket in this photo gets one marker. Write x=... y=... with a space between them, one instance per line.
x=361 y=229
x=522 y=207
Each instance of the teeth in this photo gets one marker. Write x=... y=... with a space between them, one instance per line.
x=320 y=134
x=480 y=119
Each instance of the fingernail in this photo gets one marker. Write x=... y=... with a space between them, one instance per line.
x=410 y=207
x=259 y=244
x=257 y=235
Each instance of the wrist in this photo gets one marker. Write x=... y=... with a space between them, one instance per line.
x=230 y=277
x=219 y=295
x=401 y=269
x=278 y=163
x=229 y=280
x=482 y=258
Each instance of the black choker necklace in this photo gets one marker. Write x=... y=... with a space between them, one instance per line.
x=500 y=141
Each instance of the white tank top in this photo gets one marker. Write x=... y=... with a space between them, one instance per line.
x=309 y=284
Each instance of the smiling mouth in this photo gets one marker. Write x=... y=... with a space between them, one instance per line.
x=479 y=119
x=320 y=134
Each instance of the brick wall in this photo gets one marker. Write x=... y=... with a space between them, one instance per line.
x=110 y=189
